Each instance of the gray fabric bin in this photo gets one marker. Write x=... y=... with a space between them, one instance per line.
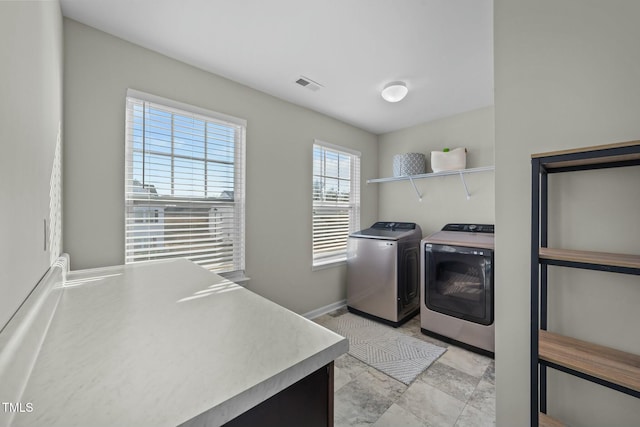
x=409 y=164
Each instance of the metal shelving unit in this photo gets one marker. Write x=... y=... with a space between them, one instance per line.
x=602 y=365
x=412 y=178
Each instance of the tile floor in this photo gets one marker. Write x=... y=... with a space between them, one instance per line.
x=457 y=390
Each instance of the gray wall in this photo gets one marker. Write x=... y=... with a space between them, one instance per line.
x=444 y=199
x=98 y=70
x=566 y=76
x=31 y=118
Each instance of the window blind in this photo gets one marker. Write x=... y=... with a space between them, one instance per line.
x=184 y=184
x=336 y=200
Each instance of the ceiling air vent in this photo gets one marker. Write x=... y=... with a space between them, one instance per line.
x=308 y=83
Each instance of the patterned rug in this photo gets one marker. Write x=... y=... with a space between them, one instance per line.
x=400 y=356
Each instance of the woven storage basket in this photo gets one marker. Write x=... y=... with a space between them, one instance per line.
x=409 y=164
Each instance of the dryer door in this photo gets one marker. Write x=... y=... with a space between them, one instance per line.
x=459 y=282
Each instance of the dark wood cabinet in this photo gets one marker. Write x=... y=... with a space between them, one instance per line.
x=309 y=403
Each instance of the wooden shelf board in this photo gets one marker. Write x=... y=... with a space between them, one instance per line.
x=587 y=149
x=546 y=421
x=599 y=258
x=595 y=161
x=598 y=361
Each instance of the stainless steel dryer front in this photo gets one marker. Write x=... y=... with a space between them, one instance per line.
x=383 y=266
x=457 y=301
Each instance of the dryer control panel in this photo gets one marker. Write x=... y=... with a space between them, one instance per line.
x=470 y=228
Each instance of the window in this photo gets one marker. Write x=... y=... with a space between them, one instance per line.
x=336 y=201
x=184 y=184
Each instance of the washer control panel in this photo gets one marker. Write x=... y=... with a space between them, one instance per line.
x=394 y=226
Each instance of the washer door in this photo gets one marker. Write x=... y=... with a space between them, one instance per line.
x=408 y=285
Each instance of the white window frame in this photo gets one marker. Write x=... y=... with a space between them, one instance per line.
x=322 y=259
x=135 y=198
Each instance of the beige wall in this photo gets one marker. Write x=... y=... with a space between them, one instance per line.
x=98 y=70
x=444 y=199
x=566 y=75
x=30 y=122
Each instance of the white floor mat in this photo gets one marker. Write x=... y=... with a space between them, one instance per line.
x=400 y=356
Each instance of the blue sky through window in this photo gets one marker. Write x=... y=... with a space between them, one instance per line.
x=182 y=155
x=331 y=175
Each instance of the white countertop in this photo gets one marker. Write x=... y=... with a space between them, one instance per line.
x=163 y=343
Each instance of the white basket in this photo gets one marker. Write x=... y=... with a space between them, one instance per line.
x=409 y=164
x=455 y=159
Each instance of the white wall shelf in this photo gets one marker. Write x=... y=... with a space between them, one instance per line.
x=412 y=178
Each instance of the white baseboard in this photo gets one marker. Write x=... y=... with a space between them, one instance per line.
x=326 y=309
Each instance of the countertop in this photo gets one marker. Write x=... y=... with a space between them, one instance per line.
x=164 y=344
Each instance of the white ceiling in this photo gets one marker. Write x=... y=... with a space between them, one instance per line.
x=442 y=49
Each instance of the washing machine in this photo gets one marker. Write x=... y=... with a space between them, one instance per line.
x=383 y=267
x=457 y=272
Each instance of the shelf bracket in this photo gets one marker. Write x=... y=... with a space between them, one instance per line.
x=415 y=189
x=464 y=183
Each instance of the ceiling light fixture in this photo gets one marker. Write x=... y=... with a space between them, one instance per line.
x=394 y=91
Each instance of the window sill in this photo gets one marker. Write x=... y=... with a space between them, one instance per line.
x=323 y=265
x=236 y=277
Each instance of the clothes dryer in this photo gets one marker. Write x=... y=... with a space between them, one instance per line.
x=457 y=302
